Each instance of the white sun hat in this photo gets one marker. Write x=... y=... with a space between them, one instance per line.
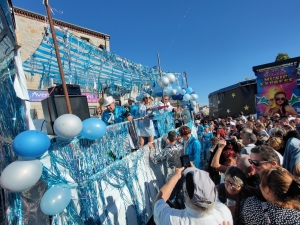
x=108 y=100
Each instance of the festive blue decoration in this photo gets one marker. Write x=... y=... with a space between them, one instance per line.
x=167 y=90
x=159 y=94
x=93 y=128
x=11 y=116
x=94 y=164
x=182 y=91
x=92 y=68
x=55 y=200
x=139 y=98
x=174 y=97
x=189 y=90
x=31 y=143
x=180 y=97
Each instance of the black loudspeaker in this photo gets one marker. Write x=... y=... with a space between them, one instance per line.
x=72 y=89
x=55 y=106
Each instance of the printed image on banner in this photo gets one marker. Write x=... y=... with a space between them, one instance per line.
x=277 y=92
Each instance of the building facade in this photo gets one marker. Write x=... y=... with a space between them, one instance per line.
x=31 y=27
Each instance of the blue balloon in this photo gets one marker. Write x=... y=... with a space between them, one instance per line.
x=93 y=128
x=175 y=97
x=189 y=90
x=55 y=200
x=182 y=91
x=167 y=90
x=180 y=97
x=159 y=94
x=139 y=98
x=31 y=144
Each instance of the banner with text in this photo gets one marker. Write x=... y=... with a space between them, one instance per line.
x=38 y=96
x=277 y=92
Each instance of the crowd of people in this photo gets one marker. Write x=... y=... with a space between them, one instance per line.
x=242 y=171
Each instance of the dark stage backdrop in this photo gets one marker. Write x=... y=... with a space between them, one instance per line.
x=233 y=99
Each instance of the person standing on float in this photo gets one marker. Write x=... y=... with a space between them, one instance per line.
x=114 y=113
x=145 y=125
x=134 y=109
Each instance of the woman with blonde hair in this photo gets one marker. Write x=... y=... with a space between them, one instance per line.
x=250 y=125
x=277 y=143
x=282 y=192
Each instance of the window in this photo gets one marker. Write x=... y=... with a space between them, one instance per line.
x=85 y=39
x=102 y=46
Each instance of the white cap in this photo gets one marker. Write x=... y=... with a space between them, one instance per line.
x=131 y=99
x=108 y=100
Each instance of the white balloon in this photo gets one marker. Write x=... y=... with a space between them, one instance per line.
x=194 y=96
x=186 y=97
x=21 y=175
x=171 y=77
x=194 y=103
x=163 y=82
x=67 y=126
x=173 y=92
x=178 y=89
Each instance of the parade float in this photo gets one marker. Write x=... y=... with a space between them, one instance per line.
x=87 y=173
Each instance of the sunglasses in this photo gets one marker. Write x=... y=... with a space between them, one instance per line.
x=256 y=163
x=228 y=183
x=146 y=97
x=278 y=99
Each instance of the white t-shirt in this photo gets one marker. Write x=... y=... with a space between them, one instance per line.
x=164 y=215
x=168 y=109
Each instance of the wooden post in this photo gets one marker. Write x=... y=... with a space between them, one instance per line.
x=62 y=76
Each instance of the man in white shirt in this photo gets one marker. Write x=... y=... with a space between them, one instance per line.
x=201 y=202
x=165 y=102
x=249 y=140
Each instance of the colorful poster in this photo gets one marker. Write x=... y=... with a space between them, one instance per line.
x=91 y=97
x=277 y=92
x=38 y=96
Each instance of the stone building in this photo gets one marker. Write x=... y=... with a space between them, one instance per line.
x=31 y=27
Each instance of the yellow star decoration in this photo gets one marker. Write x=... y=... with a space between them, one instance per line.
x=246 y=107
x=233 y=95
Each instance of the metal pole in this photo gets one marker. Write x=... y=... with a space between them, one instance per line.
x=192 y=114
x=159 y=69
x=186 y=79
x=62 y=76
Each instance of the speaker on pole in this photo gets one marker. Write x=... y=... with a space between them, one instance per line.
x=55 y=106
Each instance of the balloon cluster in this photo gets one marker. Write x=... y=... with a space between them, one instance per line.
x=24 y=173
x=168 y=85
x=69 y=126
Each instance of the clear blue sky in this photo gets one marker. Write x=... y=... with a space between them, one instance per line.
x=216 y=42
